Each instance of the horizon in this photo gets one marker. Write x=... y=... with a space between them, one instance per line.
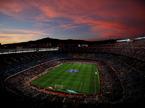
x=57 y=39
x=95 y=20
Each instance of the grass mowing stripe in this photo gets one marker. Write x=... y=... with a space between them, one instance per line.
x=98 y=79
x=87 y=89
x=94 y=79
x=76 y=82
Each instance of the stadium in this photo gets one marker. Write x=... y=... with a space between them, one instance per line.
x=75 y=73
x=72 y=53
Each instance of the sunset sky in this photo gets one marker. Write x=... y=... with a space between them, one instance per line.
x=24 y=20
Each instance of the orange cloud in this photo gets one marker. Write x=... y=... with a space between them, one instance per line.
x=18 y=35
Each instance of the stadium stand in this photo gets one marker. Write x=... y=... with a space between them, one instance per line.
x=121 y=67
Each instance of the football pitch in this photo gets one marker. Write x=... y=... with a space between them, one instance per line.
x=75 y=78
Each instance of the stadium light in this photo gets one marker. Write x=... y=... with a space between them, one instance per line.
x=139 y=38
x=124 y=40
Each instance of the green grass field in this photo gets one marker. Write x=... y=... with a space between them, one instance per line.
x=85 y=81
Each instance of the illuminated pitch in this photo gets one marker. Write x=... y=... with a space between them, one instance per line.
x=74 y=78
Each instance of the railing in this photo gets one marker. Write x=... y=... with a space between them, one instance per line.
x=25 y=50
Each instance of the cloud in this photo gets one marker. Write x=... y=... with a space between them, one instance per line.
x=107 y=19
x=18 y=35
x=120 y=17
x=10 y=7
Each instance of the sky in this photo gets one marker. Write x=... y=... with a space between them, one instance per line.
x=25 y=20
